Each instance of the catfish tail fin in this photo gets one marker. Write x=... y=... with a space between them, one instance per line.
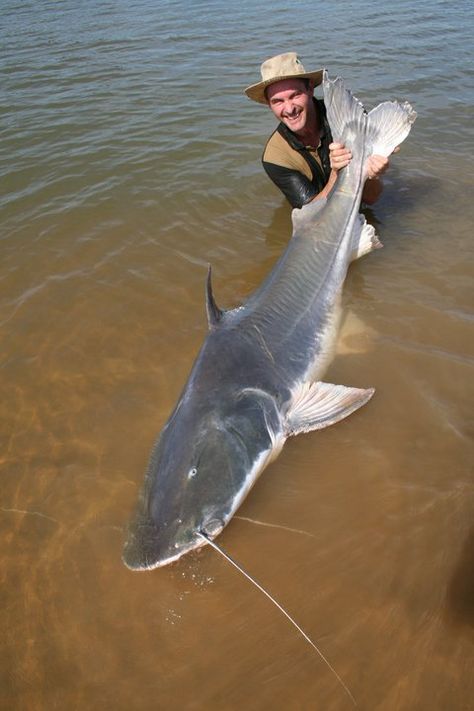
x=384 y=128
x=388 y=126
x=346 y=115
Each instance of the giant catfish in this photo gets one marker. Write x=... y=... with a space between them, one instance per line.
x=257 y=378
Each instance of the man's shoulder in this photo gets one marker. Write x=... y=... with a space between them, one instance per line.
x=278 y=151
x=276 y=142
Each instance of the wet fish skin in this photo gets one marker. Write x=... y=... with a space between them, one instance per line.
x=205 y=453
x=255 y=381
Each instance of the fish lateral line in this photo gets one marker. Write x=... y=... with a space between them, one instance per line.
x=232 y=561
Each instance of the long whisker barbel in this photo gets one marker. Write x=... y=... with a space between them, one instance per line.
x=236 y=565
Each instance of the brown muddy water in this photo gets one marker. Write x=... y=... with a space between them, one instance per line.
x=129 y=160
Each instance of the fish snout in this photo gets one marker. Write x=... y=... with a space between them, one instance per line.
x=213 y=527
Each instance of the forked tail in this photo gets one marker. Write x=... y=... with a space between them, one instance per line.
x=381 y=130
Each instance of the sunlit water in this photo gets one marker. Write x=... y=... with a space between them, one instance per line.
x=130 y=159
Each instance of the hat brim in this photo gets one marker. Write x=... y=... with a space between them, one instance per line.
x=256 y=92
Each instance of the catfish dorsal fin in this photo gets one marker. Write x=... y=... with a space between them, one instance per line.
x=214 y=313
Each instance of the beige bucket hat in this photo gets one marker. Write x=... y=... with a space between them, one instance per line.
x=283 y=66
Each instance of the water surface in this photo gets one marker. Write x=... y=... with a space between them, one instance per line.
x=129 y=160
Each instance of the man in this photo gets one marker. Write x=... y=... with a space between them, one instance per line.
x=300 y=156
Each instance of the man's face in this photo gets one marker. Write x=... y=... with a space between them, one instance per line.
x=291 y=102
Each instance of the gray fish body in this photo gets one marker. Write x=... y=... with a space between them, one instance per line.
x=256 y=379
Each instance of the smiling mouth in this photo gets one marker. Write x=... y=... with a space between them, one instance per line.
x=293 y=117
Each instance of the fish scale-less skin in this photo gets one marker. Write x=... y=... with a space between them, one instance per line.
x=251 y=384
x=294 y=309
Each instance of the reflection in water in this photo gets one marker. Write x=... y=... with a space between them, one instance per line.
x=127 y=169
x=280 y=227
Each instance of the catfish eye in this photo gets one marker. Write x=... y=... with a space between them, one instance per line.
x=192 y=472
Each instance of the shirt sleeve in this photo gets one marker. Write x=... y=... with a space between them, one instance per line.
x=296 y=187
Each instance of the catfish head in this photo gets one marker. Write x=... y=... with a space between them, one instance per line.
x=205 y=461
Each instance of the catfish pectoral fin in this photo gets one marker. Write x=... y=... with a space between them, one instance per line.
x=318 y=405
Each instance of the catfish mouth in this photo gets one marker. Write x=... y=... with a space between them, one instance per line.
x=206 y=532
x=171 y=555
x=199 y=538
x=142 y=549
x=212 y=528
x=149 y=546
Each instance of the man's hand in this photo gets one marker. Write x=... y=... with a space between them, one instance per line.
x=376 y=166
x=339 y=156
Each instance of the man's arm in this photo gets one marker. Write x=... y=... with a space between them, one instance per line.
x=299 y=190
x=295 y=186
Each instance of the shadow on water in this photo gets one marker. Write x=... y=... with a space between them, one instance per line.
x=413 y=191
x=460 y=592
x=279 y=230
x=402 y=195
x=405 y=193
x=277 y=235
